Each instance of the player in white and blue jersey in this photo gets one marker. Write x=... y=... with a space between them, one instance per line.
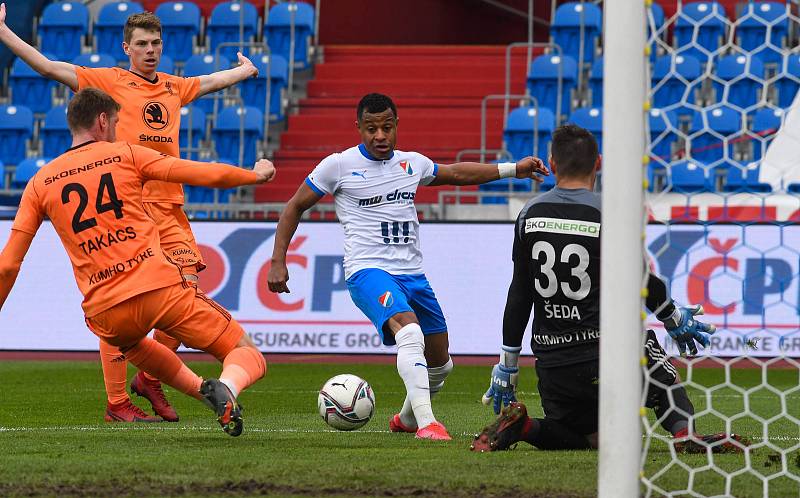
x=374 y=187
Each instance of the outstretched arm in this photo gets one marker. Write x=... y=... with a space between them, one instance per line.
x=478 y=173
x=11 y=260
x=302 y=200
x=213 y=82
x=63 y=72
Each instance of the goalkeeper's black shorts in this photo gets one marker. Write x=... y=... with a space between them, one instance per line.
x=570 y=393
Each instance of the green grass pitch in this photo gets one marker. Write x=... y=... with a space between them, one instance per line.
x=53 y=441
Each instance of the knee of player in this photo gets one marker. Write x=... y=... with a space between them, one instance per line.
x=410 y=336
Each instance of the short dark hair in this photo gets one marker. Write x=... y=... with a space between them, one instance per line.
x=374 y=103
x=574 y=150
x=145 y=20
x=86 y=105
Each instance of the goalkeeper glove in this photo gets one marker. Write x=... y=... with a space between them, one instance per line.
x=503 y=387
x=686 y=330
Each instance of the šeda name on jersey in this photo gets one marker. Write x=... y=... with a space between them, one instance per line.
x=396 y=196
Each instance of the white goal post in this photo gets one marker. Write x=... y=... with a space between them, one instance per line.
x=622 y=247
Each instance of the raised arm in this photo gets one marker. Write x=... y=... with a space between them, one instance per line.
x=302 y=200
x=11 y=260
x=223 y=79
x=63 y=72
x=478 y=173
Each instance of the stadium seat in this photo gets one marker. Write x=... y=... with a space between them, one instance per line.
x=700 y=29
x=572 y=20
x=596 y=82
x=655 y=24
x=742 y=80
x=94 y=60
x=55 y=134
x=109 y=26
x=29 y=88
x=663 y=127
x=788 y=80
x=254 y=90
x=766 y=123
x=504 y=185
x=713 y=132
x=224 y=27
x=62 y=28
x=745 y=179
x=237 y=125
x=180 y=28
x=691 y=176
x=200 y=64
x=525 y=123
x=166 y=65
x=590 y=118
x=762 y=29
x=192 y=118
x=675 y=80
x=16 y=128
x=543 y=82
x=277 y=31
x=25 y=171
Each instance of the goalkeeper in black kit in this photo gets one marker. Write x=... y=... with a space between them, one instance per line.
x=557 y=273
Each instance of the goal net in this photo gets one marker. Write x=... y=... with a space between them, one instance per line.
x=722 y=198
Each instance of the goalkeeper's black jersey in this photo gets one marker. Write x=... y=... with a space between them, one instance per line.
x=557 y=243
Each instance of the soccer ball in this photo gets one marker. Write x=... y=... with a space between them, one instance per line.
x=346 y=402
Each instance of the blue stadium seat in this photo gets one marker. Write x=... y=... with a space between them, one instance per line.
x=655 y=23
x=238 y=124
x=596 y=82
x=180 y=27
x=745 y=179
x=543 y=81
x=62 y=28
x=192 y=118
x=675 y=80
x=700 y=29
x=691 y=176
x=254 y=90
x=590 y=118
x=166 y=65
x=766 y=123
x=762 y=29
x=504 y=185
x=29 y=88
x=224 y=25
x=278 y=28
x=744 y=77
x=663 y=128
x=26 y=169
x=713 y=132
x=200 y=64
x=55 y=134
x=525 y=123
x=566 y=29
x=109 y=25
x=16 y=128
x=94 y=60
x=788 y=80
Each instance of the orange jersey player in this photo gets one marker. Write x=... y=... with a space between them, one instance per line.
x=150 y=116
x=93 y=196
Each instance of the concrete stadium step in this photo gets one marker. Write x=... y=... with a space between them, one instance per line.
x=399 y=53
x=475 y=88
x=454 y=120
x=423 y=70
x=403 y=103
x=411 y=140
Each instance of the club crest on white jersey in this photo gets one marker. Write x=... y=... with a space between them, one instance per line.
x=375 y=204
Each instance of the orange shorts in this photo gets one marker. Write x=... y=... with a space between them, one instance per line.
x=180 y=310
x=177 y=239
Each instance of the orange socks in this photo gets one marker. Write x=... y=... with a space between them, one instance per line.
x=163 y=364
x=115 y=373
x=242 y=367
x=167 y=341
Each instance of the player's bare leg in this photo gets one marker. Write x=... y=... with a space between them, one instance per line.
x=413 y=369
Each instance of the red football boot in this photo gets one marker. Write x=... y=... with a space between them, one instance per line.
x=151 y=390
x=435 y=431
x=718 y=443
x=128 y=412
x=396 y=425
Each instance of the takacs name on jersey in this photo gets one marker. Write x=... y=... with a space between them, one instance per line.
x=154 y=138
x=392 y=197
